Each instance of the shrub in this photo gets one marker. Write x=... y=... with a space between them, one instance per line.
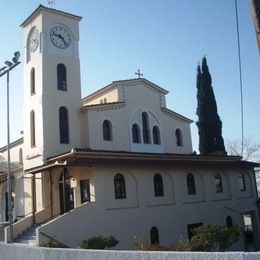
x=145 y=245
x=181 y=245
x=214 y=238
x=98 y=242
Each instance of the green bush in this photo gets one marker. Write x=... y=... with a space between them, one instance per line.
x=145 y=245
x=214 y=238
x=181 y=245
x=98 y=242
x=205 y=238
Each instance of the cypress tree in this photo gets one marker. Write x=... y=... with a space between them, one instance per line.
x=209 y=124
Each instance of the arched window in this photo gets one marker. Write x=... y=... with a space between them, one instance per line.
x=145 y=124
x=218 y=183
x=32 y=81
x=32 y=128
x=229 y=221
x=178 y=135
x=61 y=77
x=64 y=125
x=119 y=186
x=20 y=155
x=241 y=182
x=107 y=130
x=191 y=184
x=154 y=236
x=158 y=185
x=156 y=135
x=136 y=133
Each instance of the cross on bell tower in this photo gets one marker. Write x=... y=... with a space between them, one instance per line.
x=139 y=74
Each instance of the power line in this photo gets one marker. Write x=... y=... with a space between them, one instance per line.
x=240 y=82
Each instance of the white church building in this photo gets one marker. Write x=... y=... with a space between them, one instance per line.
x=117 y=162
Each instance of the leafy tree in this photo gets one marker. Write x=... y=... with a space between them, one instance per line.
x=98 y=242
x=214 y=238
x=209 y=123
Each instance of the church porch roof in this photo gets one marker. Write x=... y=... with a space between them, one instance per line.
x=86 y=157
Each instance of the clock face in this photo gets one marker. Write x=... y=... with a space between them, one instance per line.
x=60 y=37
x=34 y=39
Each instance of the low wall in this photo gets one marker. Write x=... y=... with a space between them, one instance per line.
x=21 y=252
x=19 y=227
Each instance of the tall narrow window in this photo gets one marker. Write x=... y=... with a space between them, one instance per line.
x=61 y=77
x=119 y=186
x=158 y=185
x=218 y=183
x=191 y=184
x=229 y=221
x=136 y=133
x=178 y=136
x=32 y=128
x=107 y=130
x=64 y=125
x=32 y=81
x=154 y=236
x=84 y=190
x=145 y=123
x=241 y=182
x=156 y=135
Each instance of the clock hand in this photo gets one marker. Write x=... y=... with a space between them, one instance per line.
x=61 y=37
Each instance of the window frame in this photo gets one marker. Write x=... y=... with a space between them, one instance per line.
x=84 y=186
x=179 y=138
x=119 y=186
x=32 y=81
x=107 y=130
x=191 y=185
x=156 y=135
x=61 y=77
x=136 y=137
x=64 y=125
x=154 y=236
x=241 y=185
x=145 y=128
x=158 y=185
x=218 y=183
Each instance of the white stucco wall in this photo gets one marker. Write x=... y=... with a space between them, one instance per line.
x=141 y=210
x=138 y=97
x=47 y=99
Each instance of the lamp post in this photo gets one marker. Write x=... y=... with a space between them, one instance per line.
x=5 y=70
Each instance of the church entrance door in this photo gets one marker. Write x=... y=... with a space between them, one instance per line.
x=66 y=192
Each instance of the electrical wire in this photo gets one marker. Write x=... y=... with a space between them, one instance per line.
x=240 y=82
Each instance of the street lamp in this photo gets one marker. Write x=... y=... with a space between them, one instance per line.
x=5 y=70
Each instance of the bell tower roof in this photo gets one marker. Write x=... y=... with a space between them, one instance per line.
x=55 y=11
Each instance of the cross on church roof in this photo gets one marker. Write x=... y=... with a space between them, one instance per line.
x=138 y=73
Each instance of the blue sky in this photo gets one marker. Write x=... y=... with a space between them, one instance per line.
x=165 y=40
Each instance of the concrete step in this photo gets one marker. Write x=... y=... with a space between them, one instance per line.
x=28 y=237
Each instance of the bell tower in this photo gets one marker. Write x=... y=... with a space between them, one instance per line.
x=52 y=89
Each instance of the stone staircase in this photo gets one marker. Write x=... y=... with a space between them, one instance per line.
x=28 y=237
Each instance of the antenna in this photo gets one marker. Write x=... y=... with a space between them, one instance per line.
x=51 y=2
